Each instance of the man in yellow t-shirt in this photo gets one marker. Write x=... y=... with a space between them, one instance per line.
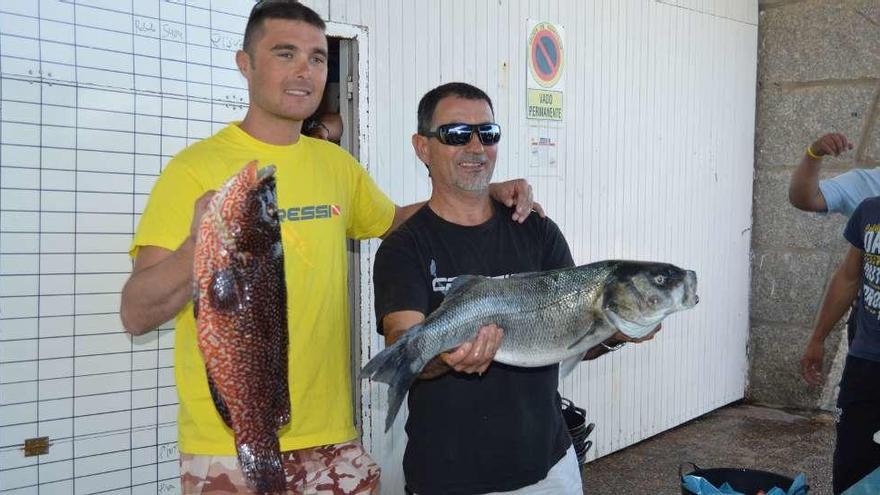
x=324 y=197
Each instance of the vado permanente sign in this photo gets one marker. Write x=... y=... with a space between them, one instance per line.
x=546 y=78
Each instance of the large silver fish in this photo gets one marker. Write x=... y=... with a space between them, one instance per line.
x=547 y=317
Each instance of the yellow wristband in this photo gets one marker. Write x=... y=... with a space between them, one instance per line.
x=811 y=154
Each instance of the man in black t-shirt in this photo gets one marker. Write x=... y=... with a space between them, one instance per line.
x=474 y=426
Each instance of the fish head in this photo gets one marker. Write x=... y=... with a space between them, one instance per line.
x=240 y=226
x=242 y=218
x=638 y=295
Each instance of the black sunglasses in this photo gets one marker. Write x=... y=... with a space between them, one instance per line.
x=460 y=134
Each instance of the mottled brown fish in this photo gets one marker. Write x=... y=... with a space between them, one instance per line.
x=240 y=304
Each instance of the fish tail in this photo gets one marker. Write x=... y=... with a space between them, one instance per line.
x=262 y=467
x=398 y=366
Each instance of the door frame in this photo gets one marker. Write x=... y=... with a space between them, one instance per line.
x=353 y=110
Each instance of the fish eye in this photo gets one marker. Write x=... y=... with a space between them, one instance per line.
x=659 y=280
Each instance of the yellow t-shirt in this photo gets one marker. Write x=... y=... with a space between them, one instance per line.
x=324 y=196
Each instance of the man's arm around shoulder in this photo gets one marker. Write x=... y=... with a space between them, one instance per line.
x=402 y=214
x=513 y=193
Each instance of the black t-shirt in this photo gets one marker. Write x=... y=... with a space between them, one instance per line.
x=471 y=434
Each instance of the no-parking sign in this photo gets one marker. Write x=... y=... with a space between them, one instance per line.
x=546 y=78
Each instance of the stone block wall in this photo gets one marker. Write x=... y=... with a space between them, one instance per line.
x=818 y=72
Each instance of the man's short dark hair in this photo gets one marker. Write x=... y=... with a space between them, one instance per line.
x=428 y=103
x=278 y=9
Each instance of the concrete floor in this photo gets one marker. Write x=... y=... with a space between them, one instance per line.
x=741 y=436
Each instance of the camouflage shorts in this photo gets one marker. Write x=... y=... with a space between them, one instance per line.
x=340 y=469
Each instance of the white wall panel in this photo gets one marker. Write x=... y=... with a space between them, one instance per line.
x=91 y=107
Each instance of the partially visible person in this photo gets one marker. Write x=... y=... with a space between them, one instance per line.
x=324 y=196
x=326 y=126
x=839 y=194
x=855 y=453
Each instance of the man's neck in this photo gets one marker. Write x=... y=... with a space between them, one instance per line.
x=270 y=129
x=462 y=209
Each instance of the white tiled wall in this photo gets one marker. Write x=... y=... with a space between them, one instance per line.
x=95 y=97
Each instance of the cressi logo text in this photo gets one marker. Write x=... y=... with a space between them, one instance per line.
x=313 y=212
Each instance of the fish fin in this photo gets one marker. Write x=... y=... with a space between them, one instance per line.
x=543 y=273
x=282 y=394
x=261 y=465
x=224 y=291
x=398 y=365
x=383 y=367
x=195 y=300
x=579 y=340
x=397 y=390
x=219 y=403
x=461 y=282
x=525 y=274
x=282 y=415
x=569 y=364
x=282 y=346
